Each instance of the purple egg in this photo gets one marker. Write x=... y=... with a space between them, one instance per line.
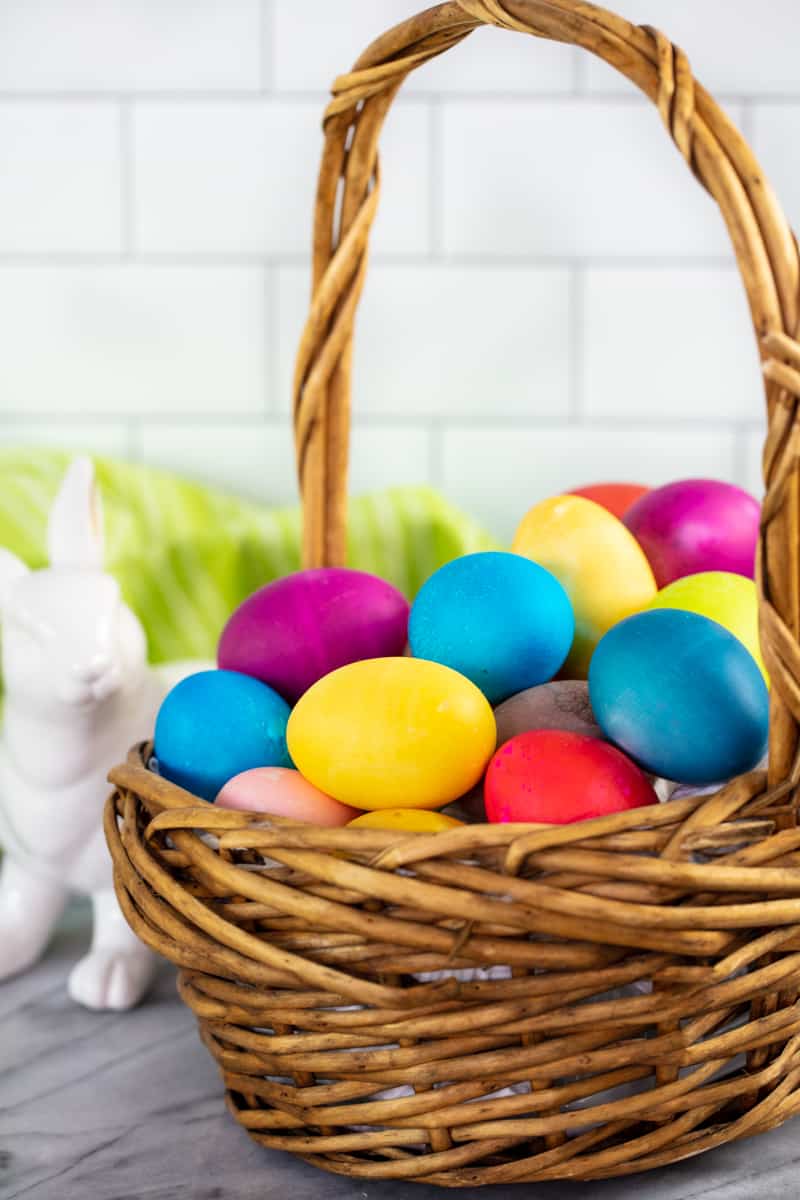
x=696 y=525
x=297 y=629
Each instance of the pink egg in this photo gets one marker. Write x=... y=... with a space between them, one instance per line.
x=283 y=793
x=696 y=525
x=295 y=630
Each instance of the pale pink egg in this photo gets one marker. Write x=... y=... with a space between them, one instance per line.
x=283 y=792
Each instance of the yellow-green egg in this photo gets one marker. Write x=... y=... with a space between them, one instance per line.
x=598 y=562
x=392 y=733
x=730 y=600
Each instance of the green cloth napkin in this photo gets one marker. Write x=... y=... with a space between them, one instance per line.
x=186 y=555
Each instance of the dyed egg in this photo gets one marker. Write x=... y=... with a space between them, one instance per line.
x=469 y=808
x=297 y=629
x=216 y=724
x=681 y=695
x=616 y=497
x=729 y=599
x=284 y=793
x=392 y=733
x=554 y=777
x=596 y=559
x=500 y=619
x=696 y=525
x=562 y=704
x=406 y=820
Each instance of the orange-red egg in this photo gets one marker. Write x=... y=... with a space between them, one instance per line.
x=616 y=497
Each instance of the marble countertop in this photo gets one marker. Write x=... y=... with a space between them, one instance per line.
x=129 y=1107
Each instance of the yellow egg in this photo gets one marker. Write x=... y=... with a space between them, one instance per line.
x=724 y=597
x=392 y=733
x=407 y=820
x=597 y=561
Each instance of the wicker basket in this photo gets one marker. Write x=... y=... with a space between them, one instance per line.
x=647 y=964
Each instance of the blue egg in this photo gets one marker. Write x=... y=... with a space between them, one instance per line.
x=500 y=619
x=681 y=695
x=215 y=724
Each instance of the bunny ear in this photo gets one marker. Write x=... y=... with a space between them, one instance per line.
x=75 y=528
x=11 y=569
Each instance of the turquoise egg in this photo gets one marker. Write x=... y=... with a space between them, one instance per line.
x=500 y=619
x=681 y=695
x=216 y=724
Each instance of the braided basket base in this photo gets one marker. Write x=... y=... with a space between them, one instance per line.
x=642 y=1005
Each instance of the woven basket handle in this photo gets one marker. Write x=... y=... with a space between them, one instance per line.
x=346 y=202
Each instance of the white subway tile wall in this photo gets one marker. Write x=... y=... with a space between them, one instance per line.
x=569 y=179
x=551 y=298
x=500 y=471
x=449 y=341
x=59 y=178
x=133 y=340
x=238 y=176
x=131 y=45
x=735 y=47
x=643 y=326
x=261 y=455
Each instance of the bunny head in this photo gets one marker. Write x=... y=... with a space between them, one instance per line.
x=68 y=640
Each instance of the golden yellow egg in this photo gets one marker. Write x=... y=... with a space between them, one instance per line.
x=405 y=820
x=392 y=733
x=598 y=562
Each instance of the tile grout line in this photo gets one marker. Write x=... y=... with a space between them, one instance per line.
x=746 y=126
x=580 y=63
x=436 y=431
x=266 y=38
x=739 y=457
x=576 y=342
x=272 y=373
x=134 y=439
x=436 y=181
x=192 y=95
x=127 y=182
x=476 y=422
x=223 y=260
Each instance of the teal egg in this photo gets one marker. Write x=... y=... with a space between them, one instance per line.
x=216 y=724
x=500 y=619
x=681 y=695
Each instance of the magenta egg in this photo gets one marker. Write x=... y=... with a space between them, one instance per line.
x=295 y=630
x=696 y=525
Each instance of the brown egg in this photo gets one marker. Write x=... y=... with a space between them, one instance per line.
x=561 y=704
x=468 y=808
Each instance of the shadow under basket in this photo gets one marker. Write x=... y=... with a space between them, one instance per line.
x=500 y=1003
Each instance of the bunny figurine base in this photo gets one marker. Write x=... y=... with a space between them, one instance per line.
x=78 y=693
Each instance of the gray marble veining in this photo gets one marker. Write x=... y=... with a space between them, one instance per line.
x=129 y=1107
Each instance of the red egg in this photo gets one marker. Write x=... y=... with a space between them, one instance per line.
x=553 y=777
x=616 y=497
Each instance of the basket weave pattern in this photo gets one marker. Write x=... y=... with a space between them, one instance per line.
x=305 y=953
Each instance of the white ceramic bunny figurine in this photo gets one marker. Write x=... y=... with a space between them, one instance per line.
x=78 y=693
